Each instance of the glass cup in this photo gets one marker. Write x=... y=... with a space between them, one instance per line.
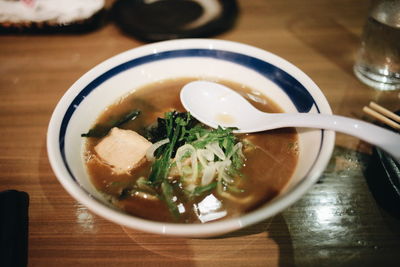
x=378 y=60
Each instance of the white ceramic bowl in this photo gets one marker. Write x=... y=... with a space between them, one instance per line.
x=278 y=79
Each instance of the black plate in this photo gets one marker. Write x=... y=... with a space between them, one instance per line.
x=170 y=19
x=383 y=177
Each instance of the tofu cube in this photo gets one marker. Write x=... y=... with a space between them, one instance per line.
x=122 y=149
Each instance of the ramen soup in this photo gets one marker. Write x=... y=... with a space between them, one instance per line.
x=150 y=158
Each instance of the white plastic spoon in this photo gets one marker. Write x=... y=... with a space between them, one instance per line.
x=217 y=105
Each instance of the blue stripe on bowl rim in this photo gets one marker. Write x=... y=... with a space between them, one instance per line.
x=298 y=94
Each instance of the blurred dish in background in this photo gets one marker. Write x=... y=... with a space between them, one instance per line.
x=48 y=16
x=383 y=178
x=157 y=20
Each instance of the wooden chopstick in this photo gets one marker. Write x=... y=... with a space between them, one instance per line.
x=383 y=115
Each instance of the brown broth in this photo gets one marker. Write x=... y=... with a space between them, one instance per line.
x=267 y=169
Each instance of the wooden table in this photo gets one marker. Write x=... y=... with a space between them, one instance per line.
x=339 y=221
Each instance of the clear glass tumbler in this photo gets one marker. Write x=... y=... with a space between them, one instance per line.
x=378 y=60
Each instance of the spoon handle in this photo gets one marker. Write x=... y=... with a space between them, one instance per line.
x=375 y=135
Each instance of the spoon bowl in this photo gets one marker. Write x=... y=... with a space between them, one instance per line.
x=217 y=105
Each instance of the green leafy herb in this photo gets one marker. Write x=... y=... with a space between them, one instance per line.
x=165 y=128
x=168 y=196
x=200 y=190
x=173 y=127
x=102 y=130
x=182 y=130
x=200 y=137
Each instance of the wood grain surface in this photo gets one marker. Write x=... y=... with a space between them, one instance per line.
x=339 y=222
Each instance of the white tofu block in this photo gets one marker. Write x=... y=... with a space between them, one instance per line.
x=122 y=149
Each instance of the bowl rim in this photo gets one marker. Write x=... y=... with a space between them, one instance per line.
x=176 y=229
